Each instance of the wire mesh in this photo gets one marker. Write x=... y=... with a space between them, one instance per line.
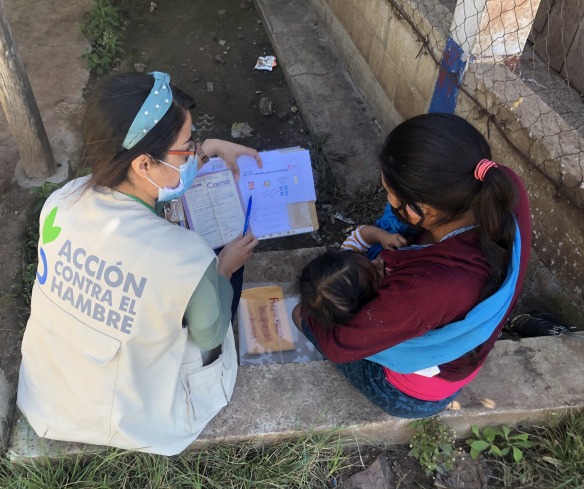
x=525 y=74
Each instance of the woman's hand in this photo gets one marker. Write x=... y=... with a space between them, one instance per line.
x=229 y=152
x=235 y=254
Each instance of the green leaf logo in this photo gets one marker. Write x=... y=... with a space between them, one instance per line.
x=50 y=231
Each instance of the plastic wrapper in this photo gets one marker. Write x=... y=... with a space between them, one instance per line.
x=266 y=331
x=266 y=63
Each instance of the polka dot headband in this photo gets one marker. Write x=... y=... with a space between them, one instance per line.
x=153 y=109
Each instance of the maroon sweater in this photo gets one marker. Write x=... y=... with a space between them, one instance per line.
x=423 y=290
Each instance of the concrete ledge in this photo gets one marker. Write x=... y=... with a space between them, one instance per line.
x=521 y=383
x=330 y=101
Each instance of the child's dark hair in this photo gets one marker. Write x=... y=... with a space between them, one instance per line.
x=335 y=285
x=431 y=159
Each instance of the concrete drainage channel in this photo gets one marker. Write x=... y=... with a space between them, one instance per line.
x=521 y=383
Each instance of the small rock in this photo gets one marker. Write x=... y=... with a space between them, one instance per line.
x=222 y=42
x=16 y=212
x=241 y=37
x=259 y=22
x=316 y=237
x=465 y=474
x=153 y=7
x=219 y=59
x=344 y=219
x=245 y=5
x=294 y=109
x=377 y=476
x=209 y=86
x=197 y=79
x=265 y=106
x=140 y=67
x=282 y=116
x=221 y=12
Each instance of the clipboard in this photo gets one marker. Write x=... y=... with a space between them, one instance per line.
x=284 y=199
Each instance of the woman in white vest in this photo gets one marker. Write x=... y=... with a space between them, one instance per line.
x=129 y=342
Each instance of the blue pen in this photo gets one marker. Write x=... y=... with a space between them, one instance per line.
x=247 y=214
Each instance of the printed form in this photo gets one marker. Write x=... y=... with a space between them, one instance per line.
x=286 y=178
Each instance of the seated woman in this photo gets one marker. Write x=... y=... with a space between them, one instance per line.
x=444 y=298
x=129 y=341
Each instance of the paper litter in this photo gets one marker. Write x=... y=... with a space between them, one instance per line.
x=266 y=63
x=240 y=130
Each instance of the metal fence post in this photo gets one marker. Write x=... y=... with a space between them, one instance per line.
x=482 y=31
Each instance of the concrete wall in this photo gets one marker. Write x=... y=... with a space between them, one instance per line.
x=377 y=40
x=558 y=34
x=383 y=57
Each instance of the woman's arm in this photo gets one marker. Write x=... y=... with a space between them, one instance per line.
x=208 y=312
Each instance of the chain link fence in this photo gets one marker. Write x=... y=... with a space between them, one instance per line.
x=526 y=78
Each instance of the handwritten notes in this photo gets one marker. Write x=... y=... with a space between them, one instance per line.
x=213 y=208
x=264 y=320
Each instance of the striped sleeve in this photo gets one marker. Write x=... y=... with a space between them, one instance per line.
x=355 y=242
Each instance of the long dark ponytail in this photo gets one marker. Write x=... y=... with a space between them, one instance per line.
x=431 y=159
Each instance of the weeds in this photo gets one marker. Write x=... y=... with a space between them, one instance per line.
x=362 y=206
x=432 y=446
x=306 y=462
x=327 y=186
x=498 y=442
x=103 y=27
x=556 y=459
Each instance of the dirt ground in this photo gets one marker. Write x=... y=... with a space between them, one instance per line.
x=210 y=50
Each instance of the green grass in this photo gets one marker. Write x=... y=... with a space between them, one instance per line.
x=307 y=462
x=555 y=462
x=103 y=27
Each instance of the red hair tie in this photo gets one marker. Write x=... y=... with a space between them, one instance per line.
x=482 y=168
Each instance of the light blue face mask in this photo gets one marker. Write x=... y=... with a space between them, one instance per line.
x=188 y=172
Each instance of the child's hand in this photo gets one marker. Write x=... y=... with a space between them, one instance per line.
x=391 y=241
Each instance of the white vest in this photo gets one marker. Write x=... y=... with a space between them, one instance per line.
x=105 y=359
